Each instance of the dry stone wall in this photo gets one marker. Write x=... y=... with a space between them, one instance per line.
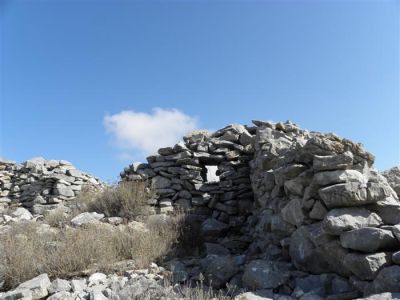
x=179 y=176
x=324 y=206
x=300 y=212
x=39 y=184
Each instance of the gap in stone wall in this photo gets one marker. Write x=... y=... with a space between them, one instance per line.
x=212 y=174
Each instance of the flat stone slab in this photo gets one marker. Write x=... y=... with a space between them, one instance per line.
x=346 y=219
x=369 y=239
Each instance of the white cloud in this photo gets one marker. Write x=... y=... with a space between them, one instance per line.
x=146 y=132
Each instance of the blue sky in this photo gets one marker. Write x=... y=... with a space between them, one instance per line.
x=78 y=77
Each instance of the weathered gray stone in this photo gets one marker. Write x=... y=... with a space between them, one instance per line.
x=396 y=257
x=344 y=194
x=97 y=295
x=219 y=269
x=21 y=214
x=382 y=296
x=292 y=212
x=78 y=285
x=366 y=266
x=388 y=209
x=265 y=274
x=304 y=253
x=396 y=231
x=160 y=182
x=144 y=289
x=369 y=239
x=75 y=173
x=315 y=284
x=387 y=280
x=378 y=191
x=59 y=285
x=333 y=162
x=318 y=211
x=97 y=278
x=23 y=294
x=64 y=190
x=87 y=218
x=38 y=286
x=61 y=296
x=216 y=249
x=286 y=173
x=212 y=228
x=345 y=219
x=338 y=176
x=165 y=151
x=393 y=178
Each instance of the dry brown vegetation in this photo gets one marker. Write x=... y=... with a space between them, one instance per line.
x=57 y=218
x=126 y=199
x=28 y=249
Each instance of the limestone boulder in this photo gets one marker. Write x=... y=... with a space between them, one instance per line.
x=87 y=218
x=344 y=194
x=59 y=285
x=292 y=212
x=160 y=182
x=396 y=257
x=388 y=209
x=366 y=266
x=369 y=239
x=393 y=178
x=338 y=176
x=345 y=219
x=387 y=280
x=333 y=162
x=212 y=229
x=304 y=253
x=382 y=296
x=38 y=286
x=218 y=270
x=265 y=274
x=21 y=214
x=63 y=190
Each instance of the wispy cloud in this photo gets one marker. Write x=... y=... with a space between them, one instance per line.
x=143 y=133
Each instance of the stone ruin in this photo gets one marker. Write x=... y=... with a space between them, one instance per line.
x=300 y=212
x=280 y=210
x=39 y=184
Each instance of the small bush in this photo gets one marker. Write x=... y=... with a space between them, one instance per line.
x=128 y=199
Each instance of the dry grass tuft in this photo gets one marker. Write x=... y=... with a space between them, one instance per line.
x=203 y=292
x=57 y=218
x=128 y=199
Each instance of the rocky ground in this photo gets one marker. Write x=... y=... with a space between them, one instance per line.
x=293 y=214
